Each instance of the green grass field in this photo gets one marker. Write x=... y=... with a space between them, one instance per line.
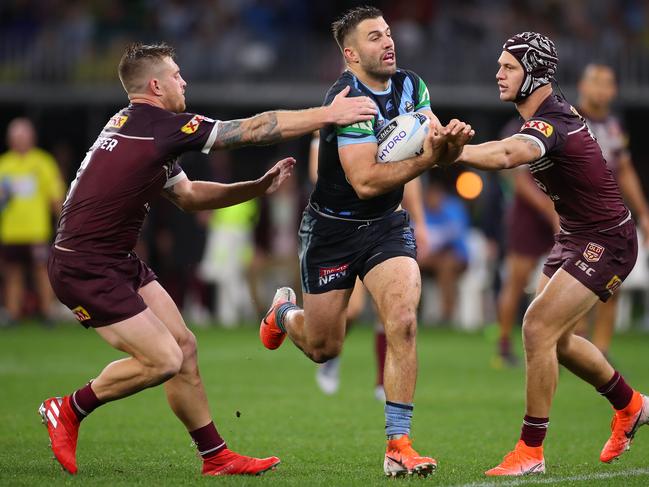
x=467 y=414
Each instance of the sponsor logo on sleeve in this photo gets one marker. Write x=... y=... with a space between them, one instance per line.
x=117 y=121
x=593 y=252
x=81 y=314
x=544 y=127
x=330 y=274
x=192 y=126
x=613 y=284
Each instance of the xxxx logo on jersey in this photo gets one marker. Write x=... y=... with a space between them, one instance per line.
x=81 y=314
x=117 y=121
x=544 y=127
x=192 y=126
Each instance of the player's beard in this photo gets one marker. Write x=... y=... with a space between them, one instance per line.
x=378 y=70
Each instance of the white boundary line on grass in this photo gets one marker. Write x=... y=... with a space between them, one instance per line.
x=539 y=479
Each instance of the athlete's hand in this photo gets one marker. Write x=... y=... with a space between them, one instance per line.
x=458 y=133
x=276 y=175
x=345 y=110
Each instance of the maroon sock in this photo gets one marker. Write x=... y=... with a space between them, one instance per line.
x=208 y=441
x=84 y=401
x=504 y=346
x=617 y=391
x=380 y=346
x=534 y=430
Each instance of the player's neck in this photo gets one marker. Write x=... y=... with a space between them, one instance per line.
x=371 y=82
x=148 y=99
x=591 y=111
x=531 y=104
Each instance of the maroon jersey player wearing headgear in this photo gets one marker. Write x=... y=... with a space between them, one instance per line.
x=594 y=251
x=94 y=271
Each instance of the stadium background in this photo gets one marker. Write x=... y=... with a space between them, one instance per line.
x=58 y=66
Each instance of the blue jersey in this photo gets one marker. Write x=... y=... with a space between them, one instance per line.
x=333 y=195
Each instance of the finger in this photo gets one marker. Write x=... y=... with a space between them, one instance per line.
x=343 y=92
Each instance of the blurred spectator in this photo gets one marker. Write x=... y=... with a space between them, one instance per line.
x=34 y=188
x=447 y=222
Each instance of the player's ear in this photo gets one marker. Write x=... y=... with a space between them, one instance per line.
x=350 y=55
x=154 y=86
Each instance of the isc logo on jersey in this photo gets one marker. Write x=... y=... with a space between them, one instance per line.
x=402 y=137
x=544 y=127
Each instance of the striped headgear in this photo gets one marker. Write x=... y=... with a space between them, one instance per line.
x=538 y=56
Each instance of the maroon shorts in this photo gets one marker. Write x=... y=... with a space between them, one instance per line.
x=529 y=233
x=100 y=290
x=36 y=253
x=599 y=260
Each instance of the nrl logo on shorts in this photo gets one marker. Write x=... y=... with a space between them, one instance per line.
x=593 y=252
x=329 y=274
x=81 y=314
x=613 y=284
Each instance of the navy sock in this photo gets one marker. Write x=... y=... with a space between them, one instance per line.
x=281 y=314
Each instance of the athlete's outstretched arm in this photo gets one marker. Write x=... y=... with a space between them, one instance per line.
x=501 y=154
x=370 y=178
x=275 y=126
x=204 y=195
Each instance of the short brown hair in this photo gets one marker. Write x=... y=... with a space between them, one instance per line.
x=350 y=19
x=136 y=59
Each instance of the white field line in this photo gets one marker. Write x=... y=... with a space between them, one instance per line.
x=540 y=479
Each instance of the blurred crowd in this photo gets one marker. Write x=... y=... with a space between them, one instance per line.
x=73 y=40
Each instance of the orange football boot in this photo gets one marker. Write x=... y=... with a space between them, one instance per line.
x=270 y=333
x=624 y=426
x=227 y=462
x=402 y=459
x=63 y=427
x=522 y=460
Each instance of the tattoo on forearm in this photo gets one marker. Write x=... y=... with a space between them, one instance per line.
x=260 y=130
x=266 y=130
x=531 y=143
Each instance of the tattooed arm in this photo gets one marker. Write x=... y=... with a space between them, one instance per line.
x=272 y=127
x=501 y=154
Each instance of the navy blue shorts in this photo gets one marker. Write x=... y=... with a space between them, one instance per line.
x=334 y=252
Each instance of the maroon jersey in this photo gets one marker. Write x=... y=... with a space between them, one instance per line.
x=572 y=170
x=132 y=160
x=611 y=137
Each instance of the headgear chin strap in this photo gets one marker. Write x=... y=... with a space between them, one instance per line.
x=538 y=56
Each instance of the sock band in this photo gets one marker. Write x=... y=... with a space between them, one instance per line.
x=397 y=418
x=281 y=314
x=534 y=430
x=84 y=401
x=207 y=440
x=617 y=391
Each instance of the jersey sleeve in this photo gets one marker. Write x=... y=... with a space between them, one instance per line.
x=184 y=132
x=177 y=174
x=356 y=133
x=548 y=134
x=423 y=96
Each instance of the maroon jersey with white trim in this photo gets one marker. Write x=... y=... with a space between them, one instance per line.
x=132 y=160
x=572 y=170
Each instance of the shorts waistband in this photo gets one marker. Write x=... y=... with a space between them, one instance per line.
x=313 y=209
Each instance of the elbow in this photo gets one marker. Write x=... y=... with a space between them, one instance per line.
x=508 y=162
x=365 y=191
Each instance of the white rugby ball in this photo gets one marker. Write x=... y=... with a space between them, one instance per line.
x=402 y=137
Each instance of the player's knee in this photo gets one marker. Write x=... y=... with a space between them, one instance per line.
x=324 y=351
x=167 y=364
x=536 y=334
x=187 y=344
x=402 y=328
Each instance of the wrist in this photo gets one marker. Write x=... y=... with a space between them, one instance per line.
x=326 y=116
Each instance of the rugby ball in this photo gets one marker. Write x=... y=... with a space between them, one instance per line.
x=402 y=137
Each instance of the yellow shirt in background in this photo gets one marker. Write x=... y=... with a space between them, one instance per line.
x=34 y=182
